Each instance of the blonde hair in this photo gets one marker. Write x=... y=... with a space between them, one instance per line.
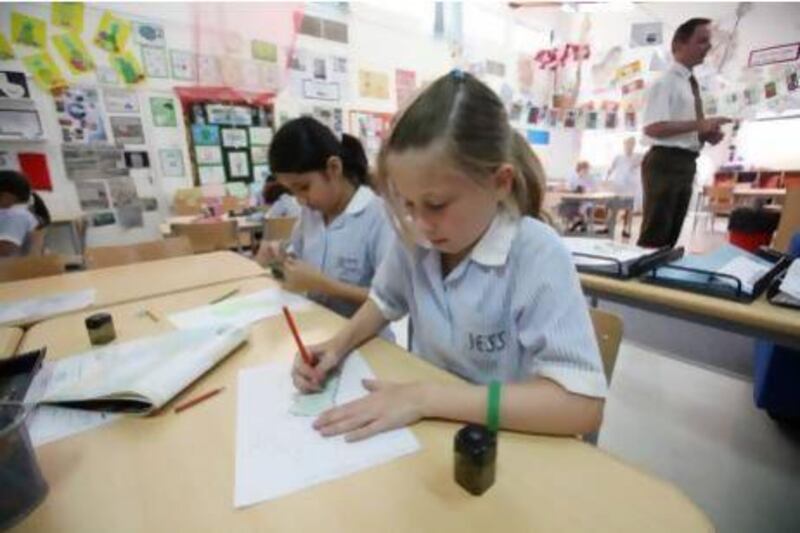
x=470 y=121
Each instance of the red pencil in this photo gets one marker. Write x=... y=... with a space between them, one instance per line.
x=300 y=346
x=195 y=401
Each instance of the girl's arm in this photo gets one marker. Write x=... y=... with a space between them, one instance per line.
x=536 y=406
x=302 y=277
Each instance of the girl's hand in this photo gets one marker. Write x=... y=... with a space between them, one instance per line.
x=302 y=277
x=387 y=406
x=270 y=252
x=309 y=378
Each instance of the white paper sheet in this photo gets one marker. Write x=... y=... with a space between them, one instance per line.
x=791 y=283
x=746 y=270
x=278 y=453
x=603 y=247
x=239 y=311
x=46 y=305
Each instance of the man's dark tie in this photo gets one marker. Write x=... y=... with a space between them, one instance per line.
x=698 y=104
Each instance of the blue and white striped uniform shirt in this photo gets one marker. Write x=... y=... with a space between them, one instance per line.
x=348 y=249
x=510 y=311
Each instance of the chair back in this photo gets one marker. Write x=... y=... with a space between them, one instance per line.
x=789 y=223
x=209 y=236
x=279 y=228
x=32 y=266
x=108 y=256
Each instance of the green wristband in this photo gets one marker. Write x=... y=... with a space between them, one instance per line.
x=493 y=407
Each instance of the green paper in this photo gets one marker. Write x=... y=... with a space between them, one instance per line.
x=163 y=111
x=265 y=51
x=128 y=67
x=68 y=15
x=6 y=52
x=73 y=52
x=112 y=33
x=316 y=403
x=27 y=30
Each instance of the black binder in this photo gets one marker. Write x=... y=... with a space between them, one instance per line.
x=776 y=297
x=629 y=269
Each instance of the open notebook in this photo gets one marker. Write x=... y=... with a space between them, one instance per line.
x=139 y=376
x=616 y=259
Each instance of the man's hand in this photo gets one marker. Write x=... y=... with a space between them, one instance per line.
x=711 y=125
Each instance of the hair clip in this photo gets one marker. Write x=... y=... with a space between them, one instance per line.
x=457 y=74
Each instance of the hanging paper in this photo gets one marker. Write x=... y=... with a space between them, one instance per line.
x=121 y=101
x=79 y=115
x=205 y=135
x=73 y=52
x=208 y=70
x=128 y=67
x=113 y=33
x=171 y=162
x=211 y=174
x=155 y=62
x=184 y=65
x=13 y=85
x=373 y=84
x=149 y=34
x=264 y=51
x=106 y=75
x=540 y=137
x=6 y=52
x=67 y=15
x=127 y=130
x=163 y=112
x=45 y=72
x=208 y=155
x=405 y=83
x=27 y=30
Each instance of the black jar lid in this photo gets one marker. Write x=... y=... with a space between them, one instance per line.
x=476 y=442
x=97 y=320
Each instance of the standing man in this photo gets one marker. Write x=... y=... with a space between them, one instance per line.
x=675 y=127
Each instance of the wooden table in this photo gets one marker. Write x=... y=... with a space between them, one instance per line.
x=9 y=340
x=759 y=318
x=757 y=196
x=243 y=224
x=125 y=283
x=176 y=472
x=612 y=201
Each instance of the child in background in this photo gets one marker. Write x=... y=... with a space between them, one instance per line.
x=17 y=223
x=491 y=291
x=626 y=177
x=343 y=232
x=280 y=200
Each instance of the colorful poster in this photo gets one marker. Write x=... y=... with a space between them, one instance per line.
x=27 y=30
x=628 y=71
x=770 y=90
x=264 y=51
x=205 y=135
x=127 y=130
x=541 y=137
x=234 y=138
x=184 y=65
x=155 y=62
x=208 y=155
x=128 y=67
x=73 y=52
x=163 y=112
x=67 y=15
x=405 y=83
x=171 y=162
x=44 y=71
x=79 y=115
x=93 y=195
x=149 y=34
x=635 y=85
x=373 y=84
x=112 y=33
x=120 y=100
x=6 y=52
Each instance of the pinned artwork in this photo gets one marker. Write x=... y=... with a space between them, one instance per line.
x=163 y=112
x=79 y=115
x=373 y=84
x=67 y=15
x=538 y=137
x=205 y=135
x=171 y=160
x=264 y=51
x=208 y=155
x=6 y=52
x=208 y=70
x=137 y=159
x=28 y=31
x=13 y=85
x=155 y=61
x=105 y=218
x=73 y=52
x=234 y=137
x=184 y=65
x=120 y=101
x=149 y=34
x=211 y=174
x=106 y=75
x=127 y=130
x=405 y=85
x=238 y=164
x=112 y=33
x=128 y=67
x=45 y=72
x=93 y=195
x=646 y=34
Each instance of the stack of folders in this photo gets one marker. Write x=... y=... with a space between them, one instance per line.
x=785 y=290
x=727 y=272
x=615 y=259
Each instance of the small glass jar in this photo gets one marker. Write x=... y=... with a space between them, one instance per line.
x=475 y=455
x=100 y=327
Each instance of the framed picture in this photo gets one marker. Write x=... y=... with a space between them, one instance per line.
x=238 y=164
x=184 y=65
x=155 y=61
x=171 y=162
x=24 y=124
x=774 y=54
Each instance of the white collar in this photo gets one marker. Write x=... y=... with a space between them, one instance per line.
x=681 y=70
x=494 y=246
x=360 y=200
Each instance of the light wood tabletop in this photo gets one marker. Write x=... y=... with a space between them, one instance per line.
x=759 y=193
x=130 y=282
x=759 y=318
x=9 y=340
x=176 y=472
